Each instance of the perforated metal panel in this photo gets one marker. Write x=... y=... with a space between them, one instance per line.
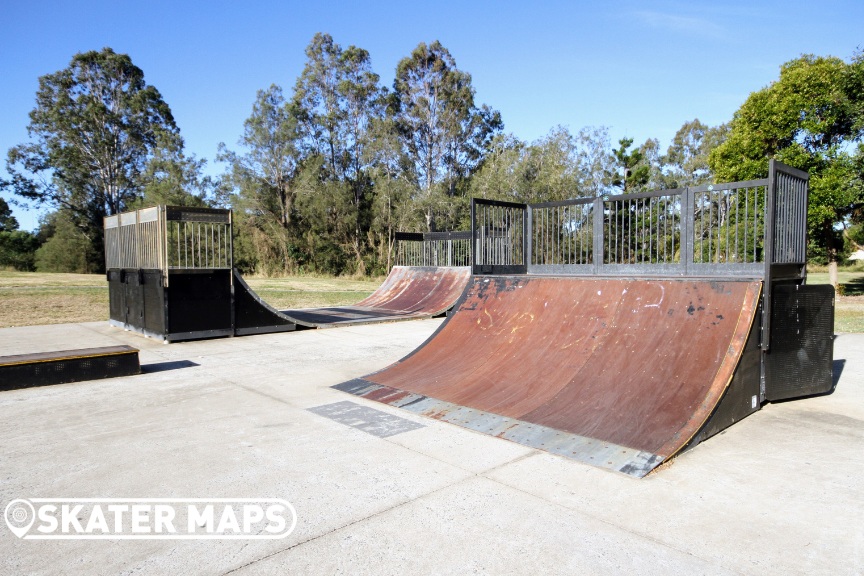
x=43 y=369
x=799 y=362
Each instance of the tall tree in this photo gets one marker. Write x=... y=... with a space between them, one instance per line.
x=337 y=98
x=8 y=222
x=809 y=118
x=171 y=177
x=17 y=247
x=630 y=172
x=686 y=159
x=558 y=166
x=444 y=133
x=261 y=180
x=92 y=132
x=595 y=161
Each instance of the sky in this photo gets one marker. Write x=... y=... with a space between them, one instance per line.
x=639 y=68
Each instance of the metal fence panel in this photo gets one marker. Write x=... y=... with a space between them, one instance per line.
x=169 y=237
x=742 y=229
x=500 y=232
x=433 y=249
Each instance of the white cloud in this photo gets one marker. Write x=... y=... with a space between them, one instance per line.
x=684 y=24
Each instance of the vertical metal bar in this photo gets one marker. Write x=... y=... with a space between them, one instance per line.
x=768 y=251
x=747 y=226
x=477 y=257
x=687 y=225
x=598 y=234
x=529 y=235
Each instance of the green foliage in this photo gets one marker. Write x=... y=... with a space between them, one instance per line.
x=174 y=179
x=8 y=222
x=337 y=101
x=259 y=185
x=556 y=167
x=18 y=250
x=67 y=249
x=686 y=160
x=856 y=235
x=808 y=119
x=94 y=131
x=324 y=178
x=631 y=172
x=444 y=135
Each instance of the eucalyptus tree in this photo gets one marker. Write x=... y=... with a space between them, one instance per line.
x=337 y=98
x=686 y=159
x=94 y=128
x=261 y=180
x=444 y=133
x=558 y=166
x=174 y=178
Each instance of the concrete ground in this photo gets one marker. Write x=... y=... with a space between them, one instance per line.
x=780 y=493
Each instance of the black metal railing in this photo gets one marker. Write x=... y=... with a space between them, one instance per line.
x=562 y=233
x=732 y=229
x=433 y=248
x=500 y=237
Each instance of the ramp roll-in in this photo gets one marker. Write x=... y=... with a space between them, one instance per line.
x=408 y=293
x=618 y=373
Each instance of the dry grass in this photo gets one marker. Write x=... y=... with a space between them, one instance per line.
x=312 y=291
x=29 y=298
x=849 y=314
x=32 y=298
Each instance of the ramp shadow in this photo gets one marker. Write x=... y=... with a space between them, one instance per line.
x=854 y=287
x=837 y=369
x=165 y=366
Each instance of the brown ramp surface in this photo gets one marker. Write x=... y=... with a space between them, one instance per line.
x=408 y=293
x=619 y=373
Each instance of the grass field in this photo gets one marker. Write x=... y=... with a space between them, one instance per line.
x=33 y=298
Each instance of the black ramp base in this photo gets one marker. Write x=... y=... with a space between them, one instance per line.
x=800 y=360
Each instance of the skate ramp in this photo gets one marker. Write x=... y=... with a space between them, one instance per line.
x=613 y=372
x=408 y=293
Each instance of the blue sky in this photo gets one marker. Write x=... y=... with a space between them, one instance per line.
x=640 y=68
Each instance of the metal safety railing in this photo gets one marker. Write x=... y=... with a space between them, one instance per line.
x=562 y=233
x=732 y=229
x=500 y=232
x=169 y=238
x=433 y=248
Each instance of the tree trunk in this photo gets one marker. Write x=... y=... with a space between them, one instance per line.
x=832 y=260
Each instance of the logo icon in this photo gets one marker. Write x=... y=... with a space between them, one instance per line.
x=20 y=515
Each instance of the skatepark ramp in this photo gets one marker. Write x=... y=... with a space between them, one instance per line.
x=619 y=331
x=408 y=293
x=171 y=277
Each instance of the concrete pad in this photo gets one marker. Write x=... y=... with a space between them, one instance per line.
x=482 y=527
x=779 y=493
